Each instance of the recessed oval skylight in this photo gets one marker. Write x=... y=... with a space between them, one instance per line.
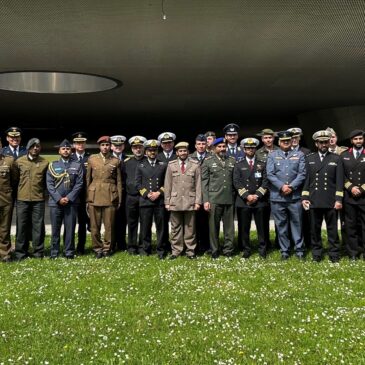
x=55 y=82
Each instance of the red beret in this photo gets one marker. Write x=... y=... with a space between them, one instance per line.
x=103 y=139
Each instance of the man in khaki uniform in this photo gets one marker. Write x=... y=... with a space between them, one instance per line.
x=30 y=204
x=182 y=198
x=104 y=196
x=8 y=179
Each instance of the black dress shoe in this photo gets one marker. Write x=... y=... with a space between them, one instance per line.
x=229 y=254
x=70 y=257
x=6 y=259
x=263 y=255
x=173 y=257
x=107 y=254
x=161 y=257
x=192 y=257
x=284 y=257
x=99 y=255
x=215 y=255
x=246 y=255
x=317 y=258
x=80 y=251
x=334 y=259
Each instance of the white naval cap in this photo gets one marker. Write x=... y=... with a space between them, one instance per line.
x=166 y=137
x=137 y=140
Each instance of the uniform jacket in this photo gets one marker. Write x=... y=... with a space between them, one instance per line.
x=217 y=180
x=305 y=150
x=103 y=181
x=84 y=163
x=130 y=167
x=354 y=170
x=8 y=180
x=262 y=153
x=150 y=179
x=31 y=175
x=8 y=152
x=248 y=182
x=238 y=155
x=194 y=156
x=64 y=180
x=323 y=185
x=162 y=158
x=339 y=150
x=283 y=170
x=183 y=190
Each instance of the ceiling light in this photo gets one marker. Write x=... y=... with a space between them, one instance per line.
x=55 y=82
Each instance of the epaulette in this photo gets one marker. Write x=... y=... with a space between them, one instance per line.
x=232 y=158
x=170 y=162
x=127 y=159
x=208 y=158
x=311 y=154
x=194 y=161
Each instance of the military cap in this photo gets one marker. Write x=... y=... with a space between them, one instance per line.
x=331 y=130
x=283 y=135
x=231 y=128
x=32 y=142
x=201 y=138
x=323 y=135
x=250 y=142
x=151 y=143
x=13 y=132
x=79 y=137
x=182 y=145
x=103 y=139
x=210 y=134
x=218 y=141
x=64 y=143
x=266 y=131
x=117 y=140
x=296 y=131
x=355 y=133
x=166 y=137
x=137 y=141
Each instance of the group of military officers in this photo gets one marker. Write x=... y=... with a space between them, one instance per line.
x=193 y=191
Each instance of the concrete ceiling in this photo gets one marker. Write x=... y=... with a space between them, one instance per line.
x=209 y=60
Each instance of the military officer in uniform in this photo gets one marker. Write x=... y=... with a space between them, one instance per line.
x=150 y=176
x=64 y=184
x=31 y=170
x=218 y=196
x=118 y=146
x=267 y=138
x=183 y=198
x=210 y=139
x=82 y=156
x=167 y=142
x=14 y=137
x=249 y=179
x=297 y=135
x=104 y=196
x=231 y=135
x=333 y=143
x=132 y=194
x=354 y=168
x=202 y=217
x=8 y=181
x=286 y=174
x=322 y=194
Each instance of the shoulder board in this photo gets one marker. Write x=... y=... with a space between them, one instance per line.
x=170 y=162
x=196 y=162
x=231 y=158
x=208 y=158
x=311 y=154
x=127 y=159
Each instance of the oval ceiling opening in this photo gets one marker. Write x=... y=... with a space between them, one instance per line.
x=46 y=82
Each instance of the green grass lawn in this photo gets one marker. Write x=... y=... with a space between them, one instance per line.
x=140 y=310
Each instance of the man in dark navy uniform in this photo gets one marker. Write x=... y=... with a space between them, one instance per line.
x=79 y=144
x=231 y=136
x=322 y=195
x=150 y=176
x=354 y=167
x=249 y=179
x=202 y=216
x=14 y=137
x=64 y=184
x=132 y=194
x=117 y=147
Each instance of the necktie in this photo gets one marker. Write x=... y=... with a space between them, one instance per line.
x=251 y=165
x=232 y=151
x=153 y=164
x=183 y=167
x=80 y=158
x=286 y=154
x=15 y=154
x=357 y=154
